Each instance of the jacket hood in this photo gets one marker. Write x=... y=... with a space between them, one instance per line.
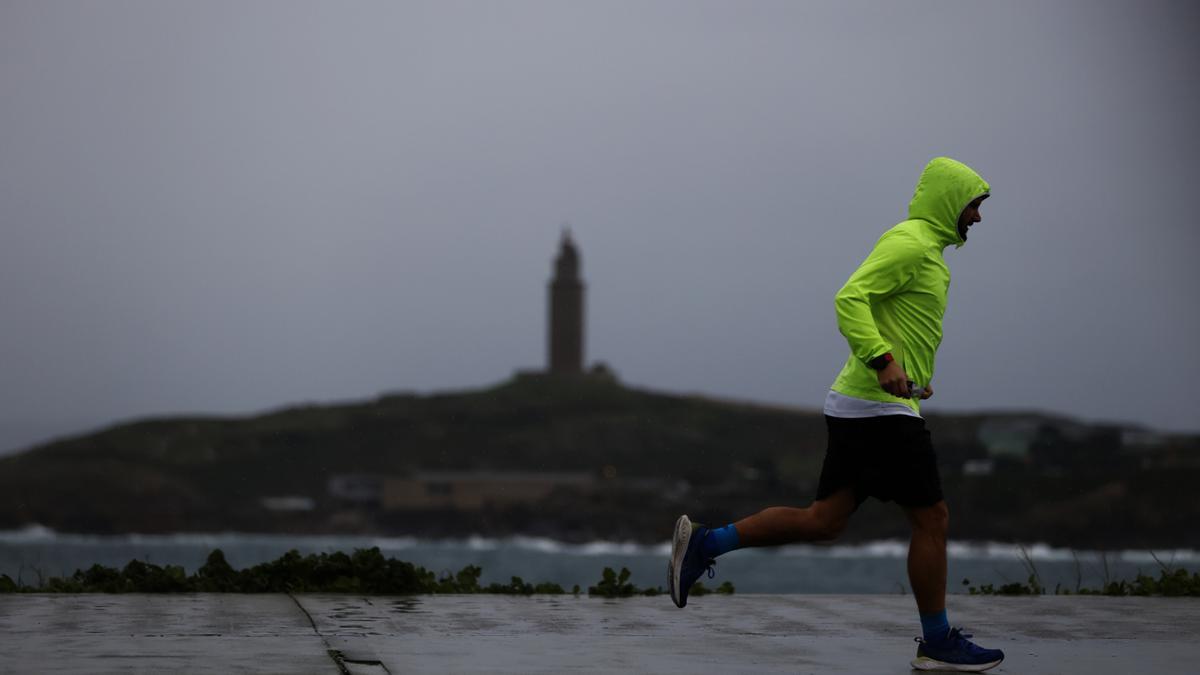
x=945 y=189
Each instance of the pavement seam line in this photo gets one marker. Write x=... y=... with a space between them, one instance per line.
x=333 y=654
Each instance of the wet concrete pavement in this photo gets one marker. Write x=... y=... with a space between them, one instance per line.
x=213 y=633
x=206 y=633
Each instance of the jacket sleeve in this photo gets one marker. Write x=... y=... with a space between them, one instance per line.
x=891 y=266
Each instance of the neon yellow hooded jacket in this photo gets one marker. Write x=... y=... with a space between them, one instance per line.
x=895 y=300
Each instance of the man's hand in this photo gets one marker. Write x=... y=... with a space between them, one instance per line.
x=893 y=380
x=927 y=392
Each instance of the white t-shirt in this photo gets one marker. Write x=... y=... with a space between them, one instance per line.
x=840 y=405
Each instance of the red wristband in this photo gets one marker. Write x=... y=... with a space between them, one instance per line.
x=880 y=362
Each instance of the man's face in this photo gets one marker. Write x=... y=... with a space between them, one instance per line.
x=969 y=217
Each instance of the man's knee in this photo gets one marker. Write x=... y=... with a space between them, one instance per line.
x=832 y=529
x=933 y=520
x=832 y=513
x=830 y=523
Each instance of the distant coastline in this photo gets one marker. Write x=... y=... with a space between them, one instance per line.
x=583 y=458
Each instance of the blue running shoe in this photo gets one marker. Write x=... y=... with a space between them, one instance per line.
x=955 y=652
x=687 y=562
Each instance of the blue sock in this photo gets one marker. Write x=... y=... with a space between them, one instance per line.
x=935 y=626
x=719 y=540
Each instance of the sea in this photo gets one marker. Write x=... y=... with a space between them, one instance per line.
x=35 y=553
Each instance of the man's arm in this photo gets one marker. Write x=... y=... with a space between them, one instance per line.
x=891 y=266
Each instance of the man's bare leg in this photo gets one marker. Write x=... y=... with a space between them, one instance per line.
x=941 y=648
x=927 y=556
x=822 y=520
x=693 y=549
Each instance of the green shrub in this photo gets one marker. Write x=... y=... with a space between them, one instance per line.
x=617 y=585
x=363 y=571
x=1170 y=583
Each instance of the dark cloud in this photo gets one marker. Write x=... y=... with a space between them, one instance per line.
x=221 y=207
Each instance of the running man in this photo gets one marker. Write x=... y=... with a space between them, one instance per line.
x=890 y=312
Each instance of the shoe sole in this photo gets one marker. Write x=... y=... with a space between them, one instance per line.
x=679 y=547
x=926 y=663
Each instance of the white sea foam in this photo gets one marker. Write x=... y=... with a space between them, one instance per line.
x=29 y=533
x=891 y=548
x=873 y=549
x=393 y=543
x=477 y=543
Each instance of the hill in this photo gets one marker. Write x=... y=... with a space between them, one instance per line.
x=576 y=459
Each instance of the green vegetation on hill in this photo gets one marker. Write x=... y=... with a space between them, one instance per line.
x=198 y=474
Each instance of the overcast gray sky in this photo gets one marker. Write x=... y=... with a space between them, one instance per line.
x=224 y=207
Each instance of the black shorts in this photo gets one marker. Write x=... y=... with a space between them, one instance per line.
x=890 y=458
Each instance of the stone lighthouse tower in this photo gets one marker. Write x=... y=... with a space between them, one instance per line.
x=566 y=310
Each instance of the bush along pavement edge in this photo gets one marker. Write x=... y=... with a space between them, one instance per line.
x=364 y=571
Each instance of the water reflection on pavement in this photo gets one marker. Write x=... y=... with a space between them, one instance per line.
x=214 y=633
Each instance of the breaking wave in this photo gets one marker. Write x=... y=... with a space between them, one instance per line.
x=1037 y=552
